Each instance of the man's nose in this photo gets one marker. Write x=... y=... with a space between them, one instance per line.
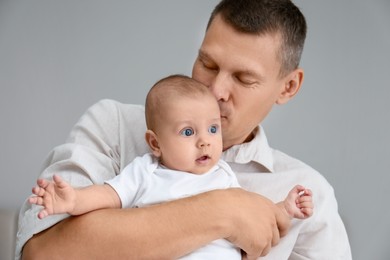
x=220 y=86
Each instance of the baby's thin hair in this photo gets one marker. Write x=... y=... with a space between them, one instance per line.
x=168 y=90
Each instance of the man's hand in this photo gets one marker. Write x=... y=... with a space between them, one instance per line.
x=256 y=224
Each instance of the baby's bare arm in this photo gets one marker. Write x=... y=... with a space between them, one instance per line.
x=58 y=197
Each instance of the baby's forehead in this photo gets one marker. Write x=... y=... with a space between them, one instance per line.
x=190 y=104
x=172 y=97
x=198 y=112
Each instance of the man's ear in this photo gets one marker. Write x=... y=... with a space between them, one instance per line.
x=152 y=141
x=292 y=84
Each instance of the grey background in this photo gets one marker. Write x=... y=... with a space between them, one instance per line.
x=57 y=58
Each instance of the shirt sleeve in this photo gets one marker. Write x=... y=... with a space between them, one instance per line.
x=90 y=156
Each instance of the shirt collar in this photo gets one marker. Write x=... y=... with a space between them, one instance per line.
x=256 y=150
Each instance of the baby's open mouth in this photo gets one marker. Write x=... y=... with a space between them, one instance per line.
x=203 y=158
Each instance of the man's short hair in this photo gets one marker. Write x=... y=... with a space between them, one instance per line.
x=263 y=17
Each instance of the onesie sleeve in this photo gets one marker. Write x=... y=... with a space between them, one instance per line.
x=133 y=182
x=233 y=183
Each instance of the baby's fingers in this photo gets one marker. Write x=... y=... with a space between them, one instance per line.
x=43 y=183
x=35 y=200
x=303 y=199
x=307 y=212
x=307 y=192
x=42 y=214
x=305 y=204
x=59 y=181
x=38 y=191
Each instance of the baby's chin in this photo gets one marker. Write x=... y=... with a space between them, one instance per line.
x=199 y=170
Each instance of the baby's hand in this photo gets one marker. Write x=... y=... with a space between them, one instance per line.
x=299 y=202
x=305 y=203
x=55 y=196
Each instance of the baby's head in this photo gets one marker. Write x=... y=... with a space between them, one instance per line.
x=184 y=125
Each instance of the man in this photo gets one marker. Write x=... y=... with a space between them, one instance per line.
x=249 y=59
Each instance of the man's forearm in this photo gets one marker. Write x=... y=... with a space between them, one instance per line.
x=163 y=231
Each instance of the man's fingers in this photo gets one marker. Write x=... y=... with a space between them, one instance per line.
x=275 y=236
x=250 y=257
x=283 y=222
x=266 y=250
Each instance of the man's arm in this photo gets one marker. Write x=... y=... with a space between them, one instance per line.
x=164 y=231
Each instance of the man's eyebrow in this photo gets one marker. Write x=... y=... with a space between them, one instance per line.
x=247 y=72
x=203 y=54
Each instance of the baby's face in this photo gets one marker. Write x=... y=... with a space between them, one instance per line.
x=189 y=134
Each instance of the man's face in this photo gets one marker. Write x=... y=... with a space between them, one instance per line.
x=242 y=71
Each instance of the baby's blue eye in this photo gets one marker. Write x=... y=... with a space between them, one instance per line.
x=213 y=129
x=187 y=132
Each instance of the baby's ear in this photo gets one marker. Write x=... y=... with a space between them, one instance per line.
x=152 y=141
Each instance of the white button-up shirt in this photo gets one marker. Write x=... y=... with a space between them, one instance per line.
x=110 y=135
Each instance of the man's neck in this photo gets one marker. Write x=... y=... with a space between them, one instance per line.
x=231 y=143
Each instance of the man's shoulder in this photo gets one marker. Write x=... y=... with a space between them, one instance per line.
x=121 y=126
x=284 y=163
x=114 y=112
x=111 y=104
